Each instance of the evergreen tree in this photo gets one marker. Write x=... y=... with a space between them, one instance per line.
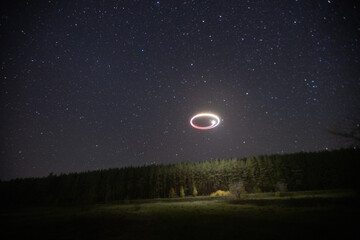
x=172 y=193
x=300 y=171
x=195 y=192
x=182 y=192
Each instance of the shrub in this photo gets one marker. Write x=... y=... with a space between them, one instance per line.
x=182 y=193
x=237 y=189
x=257 y=189
x=281 y=187
x=220 y=193
x=172 y=193
x=283 y=194
x=195 y=192
x=277 y=194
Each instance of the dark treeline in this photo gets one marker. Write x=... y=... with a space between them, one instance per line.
x=300 y=171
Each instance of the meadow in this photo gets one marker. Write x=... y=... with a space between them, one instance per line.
x=328 y=214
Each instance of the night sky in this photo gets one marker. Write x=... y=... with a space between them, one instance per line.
x=89 y=85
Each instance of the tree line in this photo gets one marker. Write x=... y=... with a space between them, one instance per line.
x=299 y=171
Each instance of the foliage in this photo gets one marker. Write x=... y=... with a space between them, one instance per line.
x=195 y=192
x=281 y=187
x=300 y=171
x=257 y=189
x=220 y=193
x=237 y=189
x=182 y=193
x=172 y=193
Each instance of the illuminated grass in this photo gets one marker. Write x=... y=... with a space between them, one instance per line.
x=300 y=215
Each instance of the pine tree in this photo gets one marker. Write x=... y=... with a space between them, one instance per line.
x=182 y=192
x=195 y=192
x=172 y=193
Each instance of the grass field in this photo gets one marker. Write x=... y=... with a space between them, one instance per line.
x=295 y=215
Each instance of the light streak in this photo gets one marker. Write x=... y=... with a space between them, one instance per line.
x=214 y=122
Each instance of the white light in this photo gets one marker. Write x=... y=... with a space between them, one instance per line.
x=215 y=122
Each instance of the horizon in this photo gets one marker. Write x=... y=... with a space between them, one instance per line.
x=183 y=162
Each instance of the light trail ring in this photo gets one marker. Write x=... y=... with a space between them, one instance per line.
x=213 y=122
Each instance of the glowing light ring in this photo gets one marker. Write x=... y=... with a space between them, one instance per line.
x=213 y=123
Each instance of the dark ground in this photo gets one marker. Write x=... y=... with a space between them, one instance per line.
x=298 y=215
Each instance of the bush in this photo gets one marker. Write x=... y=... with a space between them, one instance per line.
x=277 y=194
x=281 y=187
x=172 y=193
x=237 y=189
x=283 y=194
x=182 y=192
x=257 y=189
x=220 y=193
x=195 y=192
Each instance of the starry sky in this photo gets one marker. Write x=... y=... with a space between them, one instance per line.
x=89 y=85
